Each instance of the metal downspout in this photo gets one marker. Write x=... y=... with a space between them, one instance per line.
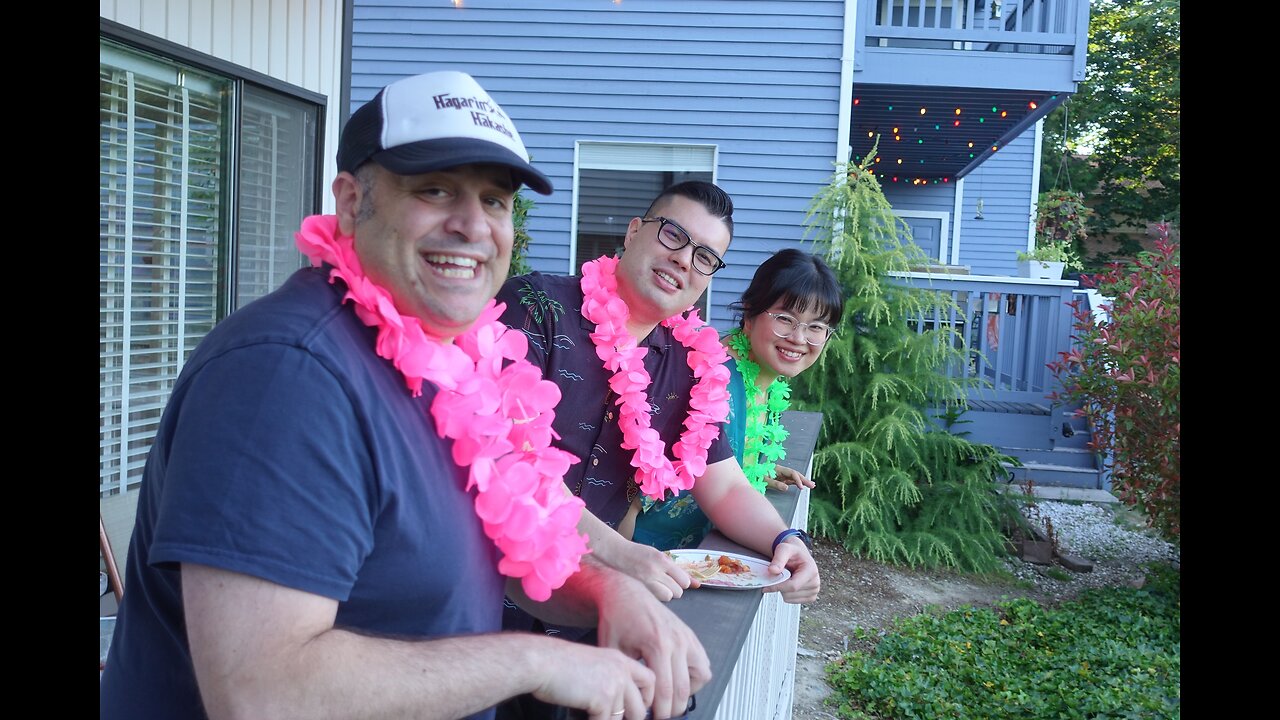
x=844 y=123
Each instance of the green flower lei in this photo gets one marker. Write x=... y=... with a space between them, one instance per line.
x=762 y=447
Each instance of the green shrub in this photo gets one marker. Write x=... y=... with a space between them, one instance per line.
x=521 y=205
x=1125 y=373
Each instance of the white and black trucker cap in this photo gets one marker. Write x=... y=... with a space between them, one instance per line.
x=432 y=122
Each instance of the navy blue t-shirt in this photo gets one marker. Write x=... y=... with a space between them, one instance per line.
x=290 y=452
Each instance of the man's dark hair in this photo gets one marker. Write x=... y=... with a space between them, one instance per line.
x=799 y=280
x=716 y=201
x=364 y=176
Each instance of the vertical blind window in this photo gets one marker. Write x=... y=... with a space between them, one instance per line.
x=176 y=252
x=162 y=197
x=277 y=163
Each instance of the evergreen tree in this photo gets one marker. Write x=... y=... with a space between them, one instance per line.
x=897 y=487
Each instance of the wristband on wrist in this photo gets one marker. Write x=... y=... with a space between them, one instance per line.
x=793 y=532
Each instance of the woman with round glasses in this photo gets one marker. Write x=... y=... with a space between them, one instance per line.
x=787 y=314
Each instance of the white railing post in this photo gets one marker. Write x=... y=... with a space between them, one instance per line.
x=762 y=686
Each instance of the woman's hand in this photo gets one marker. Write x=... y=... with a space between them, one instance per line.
x=787 y=477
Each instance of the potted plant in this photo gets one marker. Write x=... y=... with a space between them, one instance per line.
x=1048 y=261
x=1060 y=224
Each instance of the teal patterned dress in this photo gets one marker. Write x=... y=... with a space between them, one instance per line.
x=678 y=522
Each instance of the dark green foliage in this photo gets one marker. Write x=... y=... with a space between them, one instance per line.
x=896 y=488
x=1113 y=653
x=519 y=217
x=1128 y=113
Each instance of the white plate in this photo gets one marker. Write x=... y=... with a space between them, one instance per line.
x=758 y=577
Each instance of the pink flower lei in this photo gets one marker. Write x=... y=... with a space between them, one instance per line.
x=499 y=418
x=708 y=401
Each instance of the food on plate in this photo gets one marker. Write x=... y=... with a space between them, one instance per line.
x=731 y=566
x=710 y=566
x=726 y=570
x=699 y=569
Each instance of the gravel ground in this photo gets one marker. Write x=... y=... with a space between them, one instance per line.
x=861 y=593
x=1114 y=538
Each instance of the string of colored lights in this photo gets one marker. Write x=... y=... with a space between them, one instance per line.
x=898 y=173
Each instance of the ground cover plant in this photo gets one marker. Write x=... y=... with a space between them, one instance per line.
x=1111 y=653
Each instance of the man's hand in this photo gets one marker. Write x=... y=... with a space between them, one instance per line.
x=804 y=583
x=603 y=682
x=637 y=624
x=787 y=477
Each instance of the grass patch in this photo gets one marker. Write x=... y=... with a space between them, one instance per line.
x=1112 y=653
x=1058 y=574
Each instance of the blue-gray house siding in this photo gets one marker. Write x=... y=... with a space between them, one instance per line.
x=1005 y=184
x=759 y=80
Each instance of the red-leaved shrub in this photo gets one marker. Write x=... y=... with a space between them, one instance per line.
x=1124 y=372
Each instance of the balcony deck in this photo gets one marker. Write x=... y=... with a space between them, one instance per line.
x=1031 y=44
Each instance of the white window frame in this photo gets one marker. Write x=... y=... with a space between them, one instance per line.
x=639 y=157
x=944 y=237
x=121 y=466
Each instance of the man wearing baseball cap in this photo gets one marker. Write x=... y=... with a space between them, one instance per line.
x=352 y=470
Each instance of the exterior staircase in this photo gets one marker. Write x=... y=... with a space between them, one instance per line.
x=1051 y=445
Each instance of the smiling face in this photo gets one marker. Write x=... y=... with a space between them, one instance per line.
x=787 y=356
x=439 y=242
x=657 y=283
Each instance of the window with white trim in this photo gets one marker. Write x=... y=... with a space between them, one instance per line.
x=203 y=179
x=617 y=181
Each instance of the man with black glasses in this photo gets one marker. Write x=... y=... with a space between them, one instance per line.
x=643 y=389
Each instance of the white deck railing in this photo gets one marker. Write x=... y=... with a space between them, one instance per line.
x=1050 y=25
x=763 y=681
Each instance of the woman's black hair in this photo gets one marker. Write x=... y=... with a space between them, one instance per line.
x=799 y=280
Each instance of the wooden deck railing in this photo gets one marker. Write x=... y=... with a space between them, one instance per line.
x=1044 y=26
x=1009 y=330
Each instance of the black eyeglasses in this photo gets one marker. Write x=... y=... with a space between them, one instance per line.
x=813 y=333
x=674 y=237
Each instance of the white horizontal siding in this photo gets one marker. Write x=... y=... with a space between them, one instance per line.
x=759 y=80
x=296 y=41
